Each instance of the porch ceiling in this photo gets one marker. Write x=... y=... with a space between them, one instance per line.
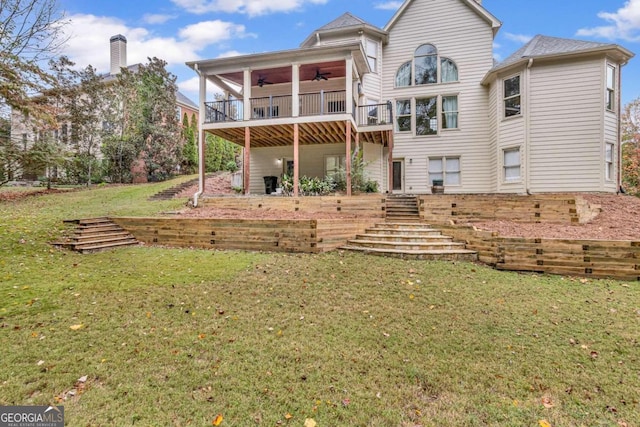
x=334 y=69
x=332 y=132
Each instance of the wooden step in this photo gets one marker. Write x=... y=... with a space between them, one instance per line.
x=106 y=246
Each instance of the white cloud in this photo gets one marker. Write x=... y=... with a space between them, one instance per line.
x=230 y=54
x=211 y=32
x=520 y=38
x=153 y=19
x=249 y=7
x=388 y=5
x=624 y=24
x=89 y=41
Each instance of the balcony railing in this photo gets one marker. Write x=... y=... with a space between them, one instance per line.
x=224 y=111
x=374 y=115
x=271 y=107
x=311 y=104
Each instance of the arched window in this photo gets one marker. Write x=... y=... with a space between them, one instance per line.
x=427 y=67
x=403 y=76
x=426 y=64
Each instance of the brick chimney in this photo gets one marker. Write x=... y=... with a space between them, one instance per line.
x=118 y=53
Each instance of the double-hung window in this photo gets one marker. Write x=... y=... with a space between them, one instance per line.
x=512 y=97
x=511 y=160
x=372 y=55
x=333 y=165
x=445 y=169
x=611 y=88
x=449 y=112
x=403 y=115
x=608 y=162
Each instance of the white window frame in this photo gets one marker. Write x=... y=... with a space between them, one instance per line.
x=609 y=155
x=445 y=172
x=509 y=98
x=372 y=48
x=341 y=162
x=610 y=91
x=443 y=112
x=410 y=115
x=507 y=166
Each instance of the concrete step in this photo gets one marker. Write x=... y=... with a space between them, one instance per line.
x=404 y=238
x=403 y=225
x=431 y=255
x=406 y=246
x=426 y=231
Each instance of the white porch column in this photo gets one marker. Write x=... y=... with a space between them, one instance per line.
x=247 y=94
x=295 y=90
x=349 y=84
x=201 y=135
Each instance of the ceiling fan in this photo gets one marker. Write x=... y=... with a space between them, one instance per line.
x=321 y=76
x=263 y=81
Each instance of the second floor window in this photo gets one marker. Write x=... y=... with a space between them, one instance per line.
x=611 y=88
x=427 y=67
x=372 y=55
x=512 y=98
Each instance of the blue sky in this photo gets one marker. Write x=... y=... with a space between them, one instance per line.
x=184 y=30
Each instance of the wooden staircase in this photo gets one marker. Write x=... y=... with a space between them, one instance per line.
x=401 y=208
x=409 y=240
x=96 y=234
x=172 y=192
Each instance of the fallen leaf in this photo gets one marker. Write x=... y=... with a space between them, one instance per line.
x=547 y=403
x=201 y=336
x=76 y=327
x=217 y=420
x=288 y=416
x=544 y=423
x=310 y=422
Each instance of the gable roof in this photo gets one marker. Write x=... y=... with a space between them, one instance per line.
x=344 y=23
x=541 y=47
x=473 y=5
x=181 y=98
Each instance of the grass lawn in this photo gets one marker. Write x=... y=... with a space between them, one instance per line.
x=177 y=337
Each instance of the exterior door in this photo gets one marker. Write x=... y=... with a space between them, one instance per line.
x=398 y=176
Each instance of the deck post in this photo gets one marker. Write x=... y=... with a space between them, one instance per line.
x=247 y=160
x=296 y=158
x=295 y=90
x=348 y=157
x=390 y=167
x=246 y=113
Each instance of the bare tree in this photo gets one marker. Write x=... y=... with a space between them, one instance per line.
x=631 y=147
x=30 y=33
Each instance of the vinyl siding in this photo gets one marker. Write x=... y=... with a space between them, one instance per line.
x=373 y=160
x=493 y=136
x=469 y=44
x=264 y=162
x=566 y=127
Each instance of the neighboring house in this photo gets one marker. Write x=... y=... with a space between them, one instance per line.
x=23 y=130
x=424 y=101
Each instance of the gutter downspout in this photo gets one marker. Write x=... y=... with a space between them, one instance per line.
x=619 y=90
x=527 y=171
x=201 y=116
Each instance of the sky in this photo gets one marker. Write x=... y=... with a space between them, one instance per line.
x=185 y=30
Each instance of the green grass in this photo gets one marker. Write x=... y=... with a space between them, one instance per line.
x=177 y=336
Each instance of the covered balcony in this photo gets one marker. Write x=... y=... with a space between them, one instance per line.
x=296 y=98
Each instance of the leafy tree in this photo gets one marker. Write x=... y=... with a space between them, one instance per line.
x=46 y=155
x=190 y=152
x=631 y=147
x=159 y=128
x=220 y=154
x=80 y=101
x=141 y=122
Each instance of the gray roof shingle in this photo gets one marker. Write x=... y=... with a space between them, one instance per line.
x=544 y=45
x=344 y=21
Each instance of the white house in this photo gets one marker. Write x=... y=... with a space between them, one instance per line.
x=424 y=101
